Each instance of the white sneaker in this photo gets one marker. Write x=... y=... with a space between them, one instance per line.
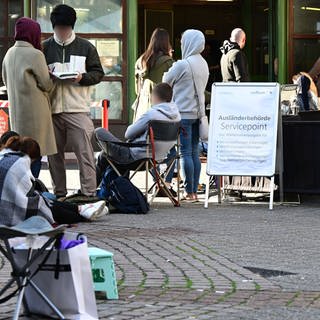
x=93 y=211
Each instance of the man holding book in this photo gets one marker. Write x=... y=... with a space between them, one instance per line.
x=75 y=66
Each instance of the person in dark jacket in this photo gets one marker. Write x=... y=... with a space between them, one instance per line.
x=67 y=53
x=234 y=68
x=234 y=64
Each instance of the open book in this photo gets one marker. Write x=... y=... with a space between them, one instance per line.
x=65 y=75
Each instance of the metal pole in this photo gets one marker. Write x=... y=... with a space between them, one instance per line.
x=206 y=202
x=105 y=113
x=21 y=293
x=271 y=193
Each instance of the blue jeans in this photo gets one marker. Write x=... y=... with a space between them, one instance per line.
x=190 y=161
x=36 y=167
x=171 y=155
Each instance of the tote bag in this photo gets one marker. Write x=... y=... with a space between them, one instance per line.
x=66 y=279
x=203 y=120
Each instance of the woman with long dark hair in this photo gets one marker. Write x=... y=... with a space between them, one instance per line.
x=149 y=69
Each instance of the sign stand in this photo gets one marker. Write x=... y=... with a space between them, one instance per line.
x=271 y=193
x=245 y=135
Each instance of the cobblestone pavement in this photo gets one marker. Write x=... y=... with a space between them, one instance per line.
x=192 y=263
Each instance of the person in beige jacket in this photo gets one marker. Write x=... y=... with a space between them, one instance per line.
x=26 y=76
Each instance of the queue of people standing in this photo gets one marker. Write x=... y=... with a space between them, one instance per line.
x=188 y=78
x=53 y=111
x=50 y=110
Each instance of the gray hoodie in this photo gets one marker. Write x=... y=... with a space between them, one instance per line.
x=137 y=132
x=188 y=94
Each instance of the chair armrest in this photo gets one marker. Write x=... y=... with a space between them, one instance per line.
x=130 y=144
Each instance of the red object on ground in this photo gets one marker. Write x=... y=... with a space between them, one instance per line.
x=105 y=116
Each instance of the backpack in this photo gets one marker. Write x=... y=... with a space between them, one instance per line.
x=126 y=197
x=122 y=194
x=104 y=192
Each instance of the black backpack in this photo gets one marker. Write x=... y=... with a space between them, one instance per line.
x=122 y=194
x=126 y=197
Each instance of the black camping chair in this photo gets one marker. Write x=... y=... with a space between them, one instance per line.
x=31 y=228
x=159 y=131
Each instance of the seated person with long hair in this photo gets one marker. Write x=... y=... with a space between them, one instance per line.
x=18 y=198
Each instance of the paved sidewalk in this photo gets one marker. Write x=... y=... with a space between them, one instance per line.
x=189 y=263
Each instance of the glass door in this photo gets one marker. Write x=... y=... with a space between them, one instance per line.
x=10 y=11
x=263 y=40
x=304 y=34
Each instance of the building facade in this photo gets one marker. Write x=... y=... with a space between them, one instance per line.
x=283 y=36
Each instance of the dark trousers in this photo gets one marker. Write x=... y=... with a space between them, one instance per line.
x=66 y=213
x=36 y=167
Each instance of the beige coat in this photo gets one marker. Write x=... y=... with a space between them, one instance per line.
x=25 y=74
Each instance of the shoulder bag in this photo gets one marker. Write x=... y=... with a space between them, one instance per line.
x=203 y=119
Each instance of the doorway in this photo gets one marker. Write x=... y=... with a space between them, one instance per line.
x=215 y=19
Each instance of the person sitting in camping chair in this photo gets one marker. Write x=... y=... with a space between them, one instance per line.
x=162 y=109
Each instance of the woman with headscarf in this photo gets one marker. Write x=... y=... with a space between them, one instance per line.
x=26 y=76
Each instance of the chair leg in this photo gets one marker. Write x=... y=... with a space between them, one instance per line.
x=22 y=290
x=114 y=168
x=111 y=280
x=147 y=174
x=22 y=278
x=136 y=170
x=47 y=300
x=160 y=182
x=154 y=193
x=19 y=302
x=178 y=167
x=178 y=179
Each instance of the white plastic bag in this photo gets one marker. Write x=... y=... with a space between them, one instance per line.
x=72 y=292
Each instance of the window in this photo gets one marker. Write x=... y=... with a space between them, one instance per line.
x=10 y=11
x=102 y=23
x=260 y=40
x=304 y=34
x=93 y=16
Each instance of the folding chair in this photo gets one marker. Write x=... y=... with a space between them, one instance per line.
x=159 y=132
x=31 y=229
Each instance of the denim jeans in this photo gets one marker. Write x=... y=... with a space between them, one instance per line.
x=36 y=167
x=171 y=155
x=190 y=161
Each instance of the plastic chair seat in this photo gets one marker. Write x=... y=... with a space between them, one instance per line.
x=103 y=272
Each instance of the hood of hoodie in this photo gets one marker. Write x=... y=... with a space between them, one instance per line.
x=192 y=43
x=169 y=109
x=228 y=45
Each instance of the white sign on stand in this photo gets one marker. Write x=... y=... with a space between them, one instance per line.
x=243 y=130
